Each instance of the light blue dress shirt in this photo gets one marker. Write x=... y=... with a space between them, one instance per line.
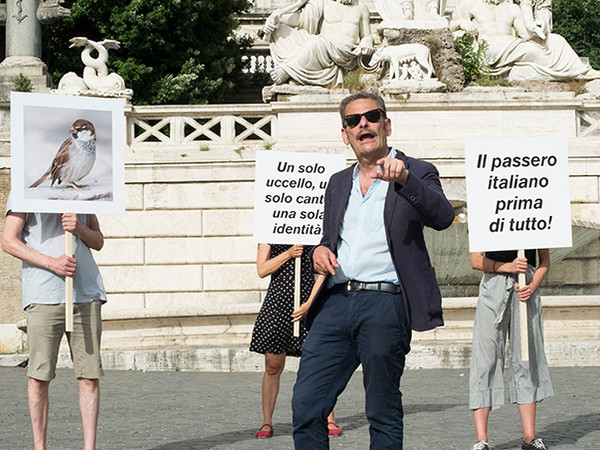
x=362 y=248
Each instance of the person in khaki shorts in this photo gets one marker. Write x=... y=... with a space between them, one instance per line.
x=37 y=239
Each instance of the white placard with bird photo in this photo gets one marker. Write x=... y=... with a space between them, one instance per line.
x=67 y=153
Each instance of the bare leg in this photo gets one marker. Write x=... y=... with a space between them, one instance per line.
x=480 y=418
x=334 y=428
x=89 y=405
x=331 y=417
x=39 y=402
x=274 y=365
x=527 y=413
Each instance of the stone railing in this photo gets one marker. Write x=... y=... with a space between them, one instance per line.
x=209 y=125
x=258 y=63
x=199 y=125
x=588 y=120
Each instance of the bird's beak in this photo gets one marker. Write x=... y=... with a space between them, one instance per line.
x=73 y=131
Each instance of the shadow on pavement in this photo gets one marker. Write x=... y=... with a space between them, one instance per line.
x=348 y=423
x=562 y=433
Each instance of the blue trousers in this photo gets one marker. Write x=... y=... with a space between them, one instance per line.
x=353 y=328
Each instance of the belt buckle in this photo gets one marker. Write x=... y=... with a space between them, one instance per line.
x=350 y=286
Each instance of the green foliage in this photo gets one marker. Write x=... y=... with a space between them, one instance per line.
x=172 y=51
x=22 y=84
x=577 y=87
x=473 y=57
x=578 y=21
x=489 y=81
x=352 y=80
x=356 y=80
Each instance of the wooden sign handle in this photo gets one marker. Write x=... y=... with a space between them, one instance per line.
x=523 y=326
x=297 y=281
x=68 y=285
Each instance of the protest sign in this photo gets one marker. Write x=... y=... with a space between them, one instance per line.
x=518 y=198
x=290 y=194
x=67 y=156
x=517 y=193
x=289 y=201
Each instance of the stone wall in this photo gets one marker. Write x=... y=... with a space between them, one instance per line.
x=10 y=278
x=183 y=249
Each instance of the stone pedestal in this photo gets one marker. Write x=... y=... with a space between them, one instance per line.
x=287 y=91
x=399 y=87
x=31 y=67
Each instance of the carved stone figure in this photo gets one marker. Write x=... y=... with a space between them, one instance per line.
x=415 y=71
x=50 y=11
x=313 y=42
x=403 y=72
x=399 y=10
x=528 y=57
x=537 y=16
x=96 y=78
x=399 y=55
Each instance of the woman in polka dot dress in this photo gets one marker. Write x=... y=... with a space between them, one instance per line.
x=273 y=329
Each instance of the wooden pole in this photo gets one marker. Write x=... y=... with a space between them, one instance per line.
x=68 y=285
x=297 y=281
x=523 y=315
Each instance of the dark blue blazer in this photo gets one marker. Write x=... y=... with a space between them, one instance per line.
x=420 y=202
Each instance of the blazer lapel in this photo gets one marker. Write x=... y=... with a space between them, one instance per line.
x=391 y=197
x=344 y=187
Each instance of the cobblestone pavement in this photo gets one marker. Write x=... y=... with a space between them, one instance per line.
x=200 y=410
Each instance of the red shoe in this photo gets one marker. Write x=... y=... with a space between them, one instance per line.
x=266 y=431
x=334 y=429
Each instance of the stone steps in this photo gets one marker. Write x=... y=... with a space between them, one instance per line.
x=216 y=339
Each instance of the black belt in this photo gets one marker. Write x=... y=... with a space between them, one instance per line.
x=353 y=285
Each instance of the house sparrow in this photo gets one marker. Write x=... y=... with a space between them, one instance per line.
x=75 y=157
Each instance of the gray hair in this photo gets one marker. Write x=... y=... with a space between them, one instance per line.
x=358 y=96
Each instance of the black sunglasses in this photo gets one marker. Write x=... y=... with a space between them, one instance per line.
x=372 y=116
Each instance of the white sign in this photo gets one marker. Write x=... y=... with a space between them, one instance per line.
x=518 y=193
x=67 y=154
x=290 y=194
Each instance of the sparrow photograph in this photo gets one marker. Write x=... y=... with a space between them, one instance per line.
x=67 y=153
x=74 y=159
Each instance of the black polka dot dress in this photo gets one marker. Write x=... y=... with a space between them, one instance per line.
x=273 y=329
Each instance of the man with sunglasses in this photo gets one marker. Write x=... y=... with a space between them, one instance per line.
x=379 y=284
